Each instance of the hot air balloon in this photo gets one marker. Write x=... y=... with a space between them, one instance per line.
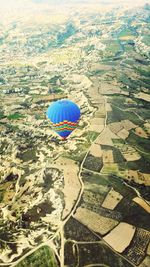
x=64 y=116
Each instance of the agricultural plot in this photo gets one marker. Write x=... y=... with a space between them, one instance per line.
x=98 y=128
x=137 y=176
x=98 y=68
x=106 y=137
x=120 y=237
x=145 y=262
x=96 y=253
x=118 y=157
x=128 y=152
x=112 y=168
x=76 y=231
x=105 y=182
x=94 y=221
x=65 y=56
x=123 y=126
x=137 y=251
x=92 y=198
x=108 y=107
x=140 y=143
x=142 y=203
x=96 y=150
x=123 y=134
x=118 y=115
x=107 y=156
x=93 y=163
x=126 y=34
x=148 y=249
x=133 y=213
x=140 y=132
x=115 y=127
x=143 y=96
x=97 y=121
x=147 y=127
x=112 y=48
x=109 y=89
x=112 y=199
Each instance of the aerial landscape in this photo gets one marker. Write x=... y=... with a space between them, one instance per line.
x=83 y=201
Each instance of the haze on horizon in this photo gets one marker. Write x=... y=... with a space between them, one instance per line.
x=23 y=3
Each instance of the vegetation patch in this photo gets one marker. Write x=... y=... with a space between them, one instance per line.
x=90 y=254
x=28 y=155
x=141 y=165
x=146 y=39
x=90 y=136
x=2 y=116
x=141 y=143
x=43 y=257
x=117 y=155
x=15 y=116
x=116 y=115
x=133 y=213
x=93 y=163
x=109 y=181
x=112 y=48
x=126 y=34
x=77 y=231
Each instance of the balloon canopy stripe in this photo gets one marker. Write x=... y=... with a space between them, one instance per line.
x=63 y=126
x=64 y=129
x=65 y=122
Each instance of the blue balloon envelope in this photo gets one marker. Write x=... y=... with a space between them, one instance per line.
x=64 y=116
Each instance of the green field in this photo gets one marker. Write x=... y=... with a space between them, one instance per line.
x=43 y=257
x=112 y=48
x=108 y=181
x=95 y=254
x=143 y=71
x=141 y=143
x=118 y=115
x=126 y=33
x=146 y=40
x=90 y=136
x=15 y=116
